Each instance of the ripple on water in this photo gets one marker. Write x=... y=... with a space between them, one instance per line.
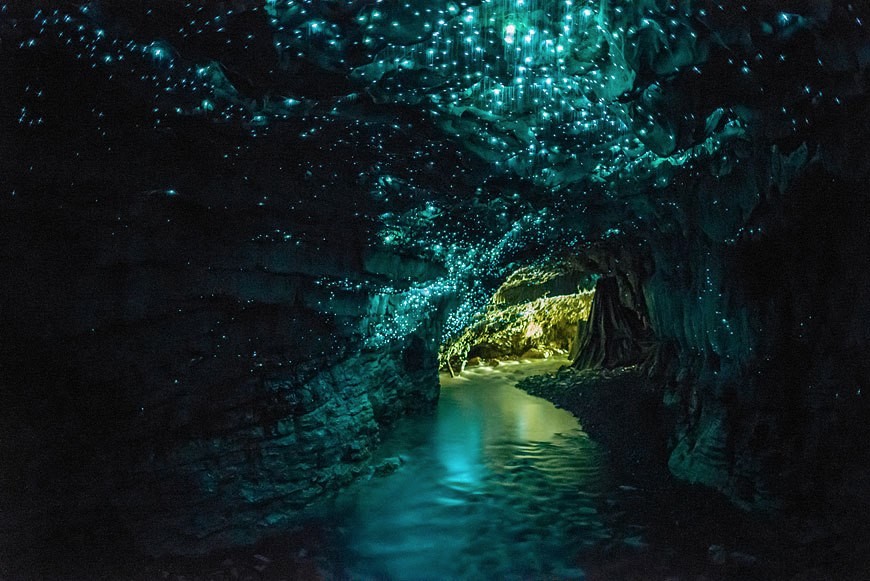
x=497 y=484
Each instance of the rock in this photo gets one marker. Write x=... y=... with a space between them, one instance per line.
x=388 y=466
x=535 y=354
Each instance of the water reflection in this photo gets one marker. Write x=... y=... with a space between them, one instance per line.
x=496 y=484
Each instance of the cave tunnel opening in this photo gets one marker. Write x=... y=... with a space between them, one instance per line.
x=537 y=312
x=570 y=308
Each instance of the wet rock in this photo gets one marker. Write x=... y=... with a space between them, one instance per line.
x=388 y=466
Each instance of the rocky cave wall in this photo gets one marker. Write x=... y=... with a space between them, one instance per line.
x=735 y=261
x=164 y=360
x=763 y=341
x=195 y=329
x=753 y=264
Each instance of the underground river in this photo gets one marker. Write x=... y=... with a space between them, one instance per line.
x=495 y=484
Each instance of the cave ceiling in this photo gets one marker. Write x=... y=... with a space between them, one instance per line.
x=475 y=134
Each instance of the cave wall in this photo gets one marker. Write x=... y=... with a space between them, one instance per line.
x=749 y=306
x=740 y=260
x=184 y=369
x=765 y=332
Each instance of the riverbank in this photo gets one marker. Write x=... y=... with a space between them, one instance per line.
x=617 y=408
x=667 y=529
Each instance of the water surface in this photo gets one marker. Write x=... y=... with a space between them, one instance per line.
x=496 y=484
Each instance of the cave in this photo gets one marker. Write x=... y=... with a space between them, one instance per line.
x=273 y=269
